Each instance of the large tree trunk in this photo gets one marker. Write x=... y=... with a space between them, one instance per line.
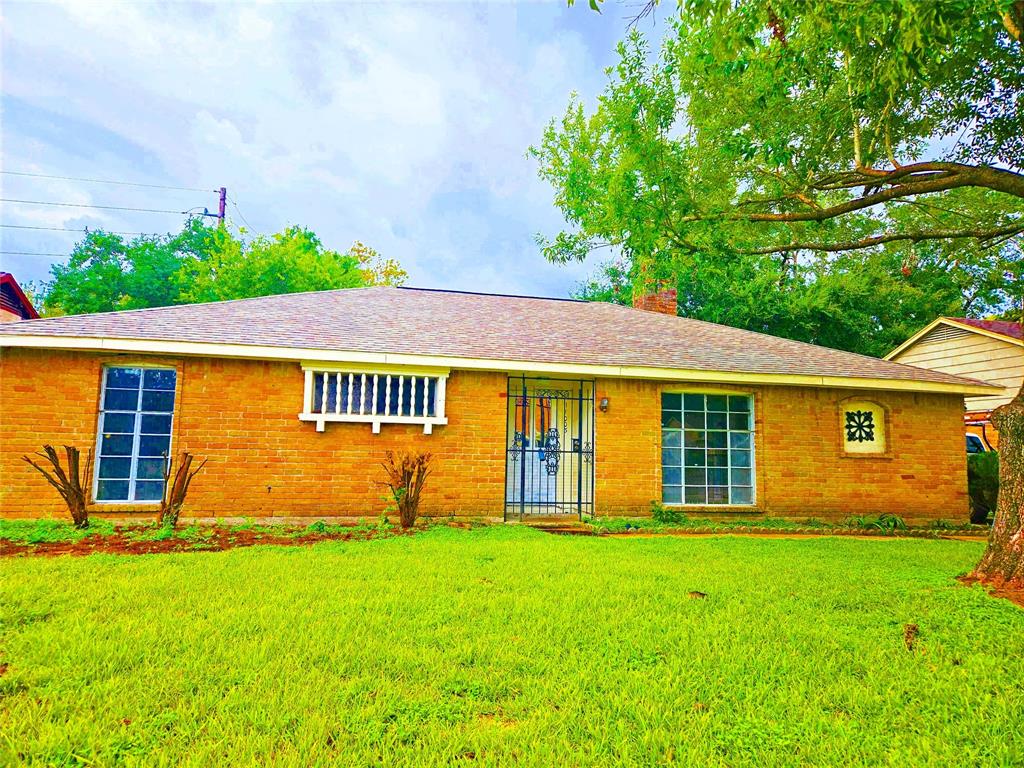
x=1002 y=565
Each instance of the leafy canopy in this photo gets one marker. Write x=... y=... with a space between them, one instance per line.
x=107 y=272
x=813 y=170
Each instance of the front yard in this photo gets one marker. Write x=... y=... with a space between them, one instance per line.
x=510 y=646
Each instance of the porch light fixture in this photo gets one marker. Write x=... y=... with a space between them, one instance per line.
x=603 y=405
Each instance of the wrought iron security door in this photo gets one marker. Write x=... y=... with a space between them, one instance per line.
x=549 y=467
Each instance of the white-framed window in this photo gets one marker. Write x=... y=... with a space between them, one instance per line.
x=134 y=434
x=707 y=448
x=375 y=397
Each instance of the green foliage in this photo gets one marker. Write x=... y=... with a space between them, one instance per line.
x=47 y=531
x=982 y=484
x=691 y=154
x=425 y=650
x=886 y=523
x=667 y=515
x=106 y=272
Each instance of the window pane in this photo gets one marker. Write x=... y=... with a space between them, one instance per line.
x=150 y=469
x=694 y=457
x=742 y=495
x=694 y=421
x=670 y=438
x=671 y=419
x=124 y=378
x=112 y=490
x=739 y=403
x=153 y=445
x=431 y=397
x=159 y=378
x=121 y=400
x=717 y=439
x=118 y=422
x=149 y=490
x=153 y=424
x=696 y=495
x=115 y=468
x=693 y=402
x=741 y=458
x=116 y=445
x=718 y=420
x=718 y=495
x=739 y=421
x=741 y=477
x=157 y=401
x=718 y=476
x=670 y=456
x=671 y=402
x=718 y=458
x=694 y=438
x=672 y=494
x=718 y=403
x=739 y=440
x=695 y=476
x=672 y=475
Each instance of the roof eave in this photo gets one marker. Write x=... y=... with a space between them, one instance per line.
x=310 y=356
x=954 y=324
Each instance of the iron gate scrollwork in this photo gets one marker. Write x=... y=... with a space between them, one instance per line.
x=549 y=468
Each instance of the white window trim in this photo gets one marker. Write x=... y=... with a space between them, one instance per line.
x=753 y=451
x=136 y=435
x=367 y=377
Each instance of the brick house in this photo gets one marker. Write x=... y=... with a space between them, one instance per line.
x=530 y=407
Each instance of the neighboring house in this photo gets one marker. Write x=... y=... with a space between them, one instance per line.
x=14 y=304
x=989 y=350
x=530 y=407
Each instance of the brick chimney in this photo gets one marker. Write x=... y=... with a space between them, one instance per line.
x=662 y=299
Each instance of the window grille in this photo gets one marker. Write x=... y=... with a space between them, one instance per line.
x=134 y=440
x=374 y=398
x=707 y=448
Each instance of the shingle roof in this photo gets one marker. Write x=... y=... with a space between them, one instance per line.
x=483 y=326
x=1002 y=327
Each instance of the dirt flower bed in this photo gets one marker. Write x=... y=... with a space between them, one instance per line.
x=49 y=539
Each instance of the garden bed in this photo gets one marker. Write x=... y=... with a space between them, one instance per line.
x=50 y=538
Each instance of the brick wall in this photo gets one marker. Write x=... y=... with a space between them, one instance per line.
x=264 y=462
x=800 y=467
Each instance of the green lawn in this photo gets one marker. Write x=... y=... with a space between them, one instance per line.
x=515 y=647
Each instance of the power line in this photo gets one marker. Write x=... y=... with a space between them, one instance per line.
x=240 y=214
x=107 y=181
x=29 y=253
x=98 y=207
x=74 y=229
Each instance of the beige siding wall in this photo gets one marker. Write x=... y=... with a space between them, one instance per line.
x=974 y=355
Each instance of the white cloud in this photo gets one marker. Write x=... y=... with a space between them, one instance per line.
x=404 y=126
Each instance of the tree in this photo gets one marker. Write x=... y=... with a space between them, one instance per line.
x=809 y=134
x=107 y=272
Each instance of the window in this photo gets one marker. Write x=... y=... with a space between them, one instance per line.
x=375 y=398
x=863 y=427
x=134 y=440
x=707 y=449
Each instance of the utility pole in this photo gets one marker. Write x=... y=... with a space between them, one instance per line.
x=222 y=209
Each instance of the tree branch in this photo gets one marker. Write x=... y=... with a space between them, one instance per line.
x=914 y=237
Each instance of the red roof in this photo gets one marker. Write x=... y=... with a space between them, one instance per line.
x=1002 y=327
x=13 y=299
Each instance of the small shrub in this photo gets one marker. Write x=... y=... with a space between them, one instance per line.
x=406 y=477
x=666 y=515
x=71 y=485
x=885 y=523
x=982 y=485
x=175 y=491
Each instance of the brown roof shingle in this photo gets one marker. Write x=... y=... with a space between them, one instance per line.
x=471 y=325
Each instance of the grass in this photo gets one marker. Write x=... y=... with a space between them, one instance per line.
x=508 y=646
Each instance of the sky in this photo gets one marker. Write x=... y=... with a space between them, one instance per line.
x=402 y=125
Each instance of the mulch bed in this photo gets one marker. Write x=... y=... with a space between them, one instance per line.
x=772 y=533
x=215 y=539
